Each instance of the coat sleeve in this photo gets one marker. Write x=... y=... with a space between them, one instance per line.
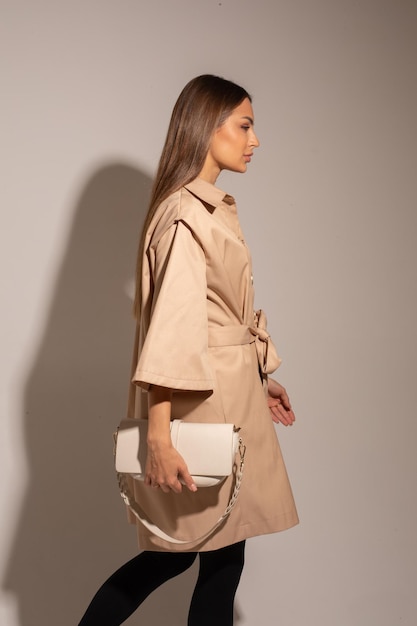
x=175 y=348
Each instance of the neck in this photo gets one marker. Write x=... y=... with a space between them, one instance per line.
x=210 y=173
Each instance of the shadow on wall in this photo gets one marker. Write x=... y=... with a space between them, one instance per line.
x=72 y=532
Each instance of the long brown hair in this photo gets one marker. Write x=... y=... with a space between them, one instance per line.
x=203 y=105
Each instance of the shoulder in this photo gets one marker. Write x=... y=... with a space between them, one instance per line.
x=180 y=206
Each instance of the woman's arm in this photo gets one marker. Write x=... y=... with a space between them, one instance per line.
x=164 y=466
x=279 y=404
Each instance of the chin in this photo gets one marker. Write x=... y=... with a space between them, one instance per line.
x=240 y=169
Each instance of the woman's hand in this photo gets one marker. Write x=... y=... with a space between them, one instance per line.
x=279 y=404
x=165 y=468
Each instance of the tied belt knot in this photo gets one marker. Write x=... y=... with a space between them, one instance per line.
x=241 y=334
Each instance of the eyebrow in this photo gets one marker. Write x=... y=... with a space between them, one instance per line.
x=246 y=117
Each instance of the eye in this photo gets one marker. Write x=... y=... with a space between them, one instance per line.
x=245 y=127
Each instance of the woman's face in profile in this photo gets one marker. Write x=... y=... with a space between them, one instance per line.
x=232 y=144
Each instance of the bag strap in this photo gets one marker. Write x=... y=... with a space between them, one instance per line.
x=137 y=510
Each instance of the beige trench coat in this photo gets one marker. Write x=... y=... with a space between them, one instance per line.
x=197 y=309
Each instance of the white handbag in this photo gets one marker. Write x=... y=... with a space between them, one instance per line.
x=209 y=451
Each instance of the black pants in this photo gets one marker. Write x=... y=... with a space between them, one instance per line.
x=212 y=601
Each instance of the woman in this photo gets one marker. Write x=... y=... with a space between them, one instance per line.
x=200 y=356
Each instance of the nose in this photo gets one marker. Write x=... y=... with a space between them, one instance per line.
x=254 y=142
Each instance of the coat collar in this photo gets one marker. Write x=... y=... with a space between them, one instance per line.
x=208 y=193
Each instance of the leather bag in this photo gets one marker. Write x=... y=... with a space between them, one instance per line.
x=209 y=451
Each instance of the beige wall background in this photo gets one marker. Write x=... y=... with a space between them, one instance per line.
x=329 y=209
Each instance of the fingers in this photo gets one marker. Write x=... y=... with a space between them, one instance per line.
x=183 y=478
x=164 y=484
x=188 y=481
x=280 y=414
x=285 y=400
x=172 y=483
x=163 y=488
x=278 y=392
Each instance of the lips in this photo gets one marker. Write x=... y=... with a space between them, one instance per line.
x=248 y=157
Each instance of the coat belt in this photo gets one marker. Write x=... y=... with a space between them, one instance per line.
x=241 y=334
x=237 y=335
